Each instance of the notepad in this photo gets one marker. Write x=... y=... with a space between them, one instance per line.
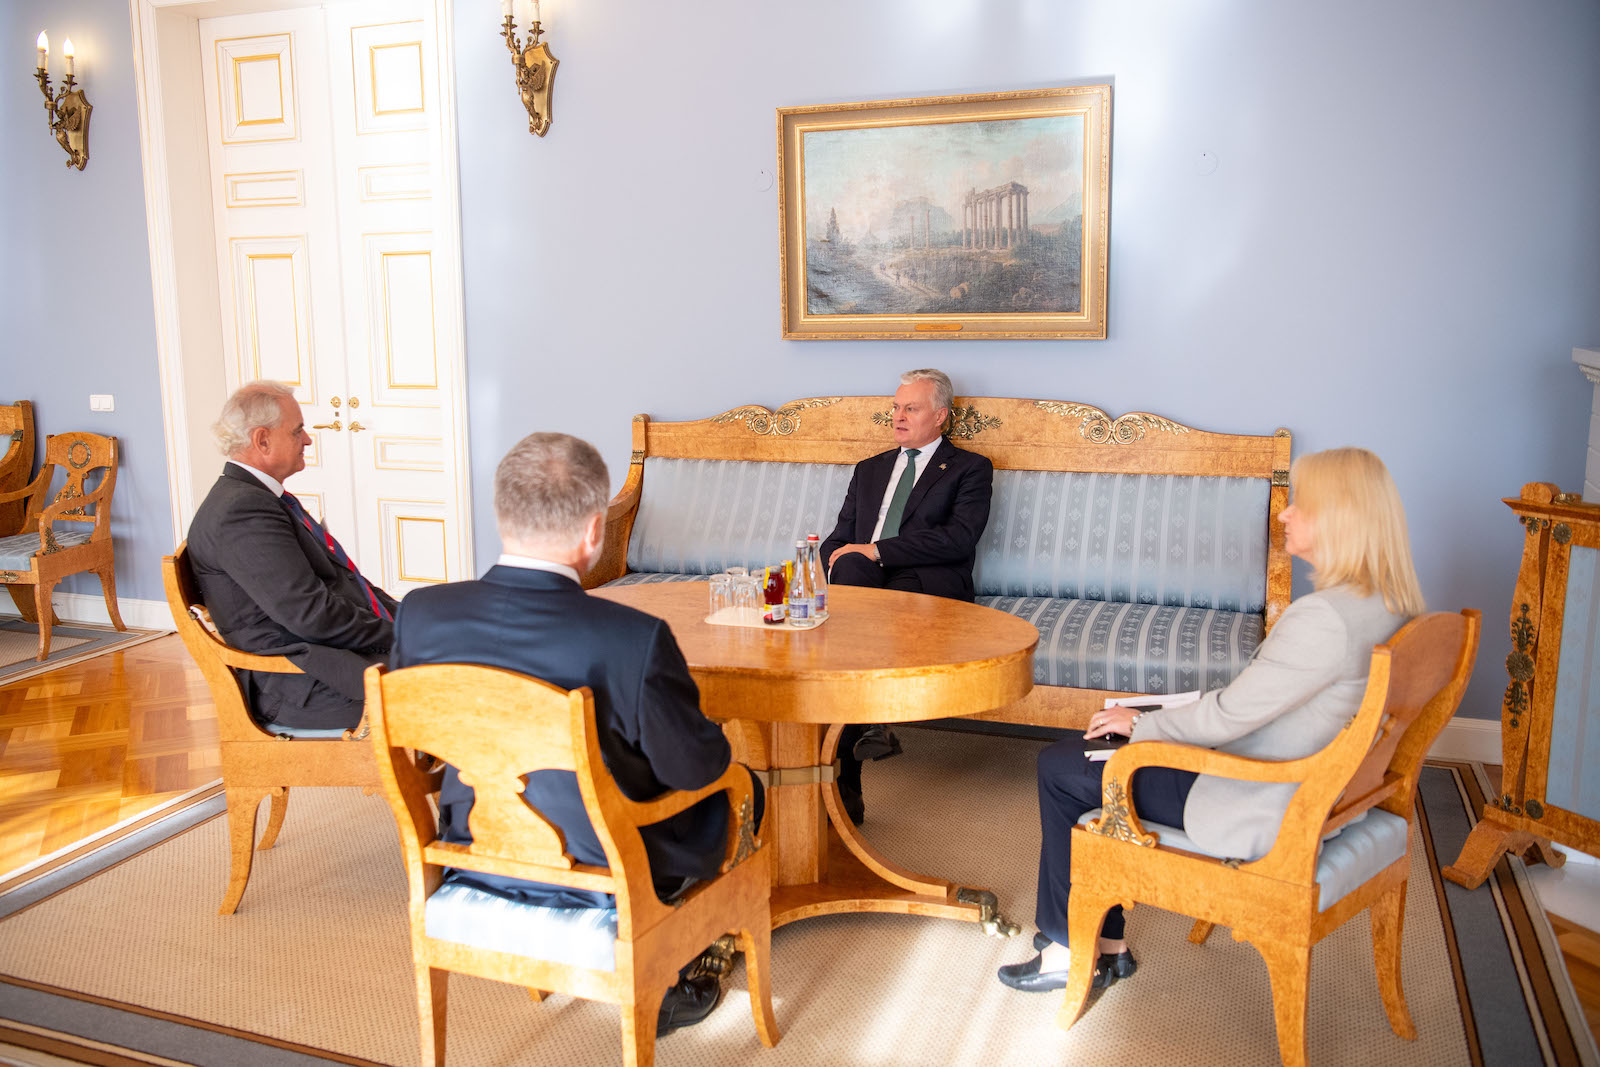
x=1100 y=749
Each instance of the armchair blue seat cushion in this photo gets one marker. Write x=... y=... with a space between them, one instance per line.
x=18 y=550
x=579 y=937
x=1348 y=859
x=308 y=732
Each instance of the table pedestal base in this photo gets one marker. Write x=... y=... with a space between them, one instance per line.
x=851 y=886
x=821 y=863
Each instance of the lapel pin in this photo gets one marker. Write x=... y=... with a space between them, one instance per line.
x=942 y=466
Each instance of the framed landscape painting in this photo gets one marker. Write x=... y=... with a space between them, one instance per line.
x=947 y=217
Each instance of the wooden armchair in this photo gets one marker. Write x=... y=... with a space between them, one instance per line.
x=494 y=726
x=257 y=763
x=1278 y=902
x=16 y=461
x=40 y=555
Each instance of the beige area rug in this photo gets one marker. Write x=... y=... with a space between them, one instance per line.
x=318 y=955
x=70 y=643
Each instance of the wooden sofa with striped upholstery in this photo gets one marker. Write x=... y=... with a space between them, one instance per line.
x=1147 y=552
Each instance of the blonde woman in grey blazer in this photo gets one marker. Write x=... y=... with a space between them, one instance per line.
x=1301 y=687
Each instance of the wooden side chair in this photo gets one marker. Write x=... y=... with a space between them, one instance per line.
x=1305 y=888
x=258 y=760
x=41 y=554
x=494 y=726
x=16 y=461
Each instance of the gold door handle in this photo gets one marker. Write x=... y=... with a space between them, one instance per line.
x=356 y=427
x=334 y=425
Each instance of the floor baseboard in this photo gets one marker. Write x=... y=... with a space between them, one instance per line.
x=91 y=608
x=1469 y=739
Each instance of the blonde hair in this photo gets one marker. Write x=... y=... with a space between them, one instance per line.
x=1360 y=526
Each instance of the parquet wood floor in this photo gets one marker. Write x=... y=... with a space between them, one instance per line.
x=89 y=745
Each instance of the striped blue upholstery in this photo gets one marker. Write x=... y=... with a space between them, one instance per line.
x=1135 y=538
x=17 y=551
x=1147 y=583
x=654 y=577
x=1138 y=648
x=1348 y=860
x=702 y=516
x=579 y=937
x=1183 y=540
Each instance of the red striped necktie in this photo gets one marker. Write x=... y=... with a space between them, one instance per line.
x=298 y=510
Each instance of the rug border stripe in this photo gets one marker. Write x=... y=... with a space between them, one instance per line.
x=1463 y=999
x=78 y=1049
x=1511 y=896
x=134 y=638
x=197 y=1024
x=156 y=839
x=109 y=836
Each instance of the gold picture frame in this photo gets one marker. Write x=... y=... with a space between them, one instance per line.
x=976 y=216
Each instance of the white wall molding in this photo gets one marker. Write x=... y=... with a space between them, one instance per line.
x=163 y=269
x=1468 y=739
x=178 y=214
x=91 y=608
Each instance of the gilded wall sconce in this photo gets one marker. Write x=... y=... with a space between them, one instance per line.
x=69 y=109
x=535 y=67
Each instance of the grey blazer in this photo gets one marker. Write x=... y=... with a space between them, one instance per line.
x=1303 y=685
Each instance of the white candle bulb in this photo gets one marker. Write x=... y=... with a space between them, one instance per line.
x=67 y=51
x=43 y=44
x=536 y=10
x=505 y=9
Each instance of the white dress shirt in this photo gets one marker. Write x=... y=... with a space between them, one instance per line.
x=263 y=477
x=924 y=458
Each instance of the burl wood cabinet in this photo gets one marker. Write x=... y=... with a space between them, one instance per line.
x=1550 y=720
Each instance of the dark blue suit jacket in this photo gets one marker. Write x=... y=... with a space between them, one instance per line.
x=940 y=527
x=653 y=735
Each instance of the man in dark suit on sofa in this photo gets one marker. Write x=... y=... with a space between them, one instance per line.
x=530 y=614
x=911 y=520
x=274 y=581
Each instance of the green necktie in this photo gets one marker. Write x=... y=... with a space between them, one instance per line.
x=902 y=492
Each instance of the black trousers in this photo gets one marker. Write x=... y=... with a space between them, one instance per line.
x=853 y=568
x=1069 y=785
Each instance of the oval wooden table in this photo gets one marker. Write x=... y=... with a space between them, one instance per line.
x=782 y=693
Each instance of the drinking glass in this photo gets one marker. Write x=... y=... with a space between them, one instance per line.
x=747 y=594
x=721 y=592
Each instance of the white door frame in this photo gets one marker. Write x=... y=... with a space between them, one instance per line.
x=182 y=253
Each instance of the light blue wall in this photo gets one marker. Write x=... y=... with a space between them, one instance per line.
x=1399 y=249
x=75 y=307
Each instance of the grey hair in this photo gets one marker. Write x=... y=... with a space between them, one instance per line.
x=252 y=406
x=548 y=487
x=943 y=392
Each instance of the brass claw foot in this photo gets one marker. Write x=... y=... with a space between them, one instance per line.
x=717 y=960
x=989 y=918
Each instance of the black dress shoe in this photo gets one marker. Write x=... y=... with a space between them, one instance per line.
x=1028 y=978
x=688 y=1002
x=1108 y=968
x=876 y=742
x=854 y=805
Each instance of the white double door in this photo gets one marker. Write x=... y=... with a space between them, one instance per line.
x=323 y=130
